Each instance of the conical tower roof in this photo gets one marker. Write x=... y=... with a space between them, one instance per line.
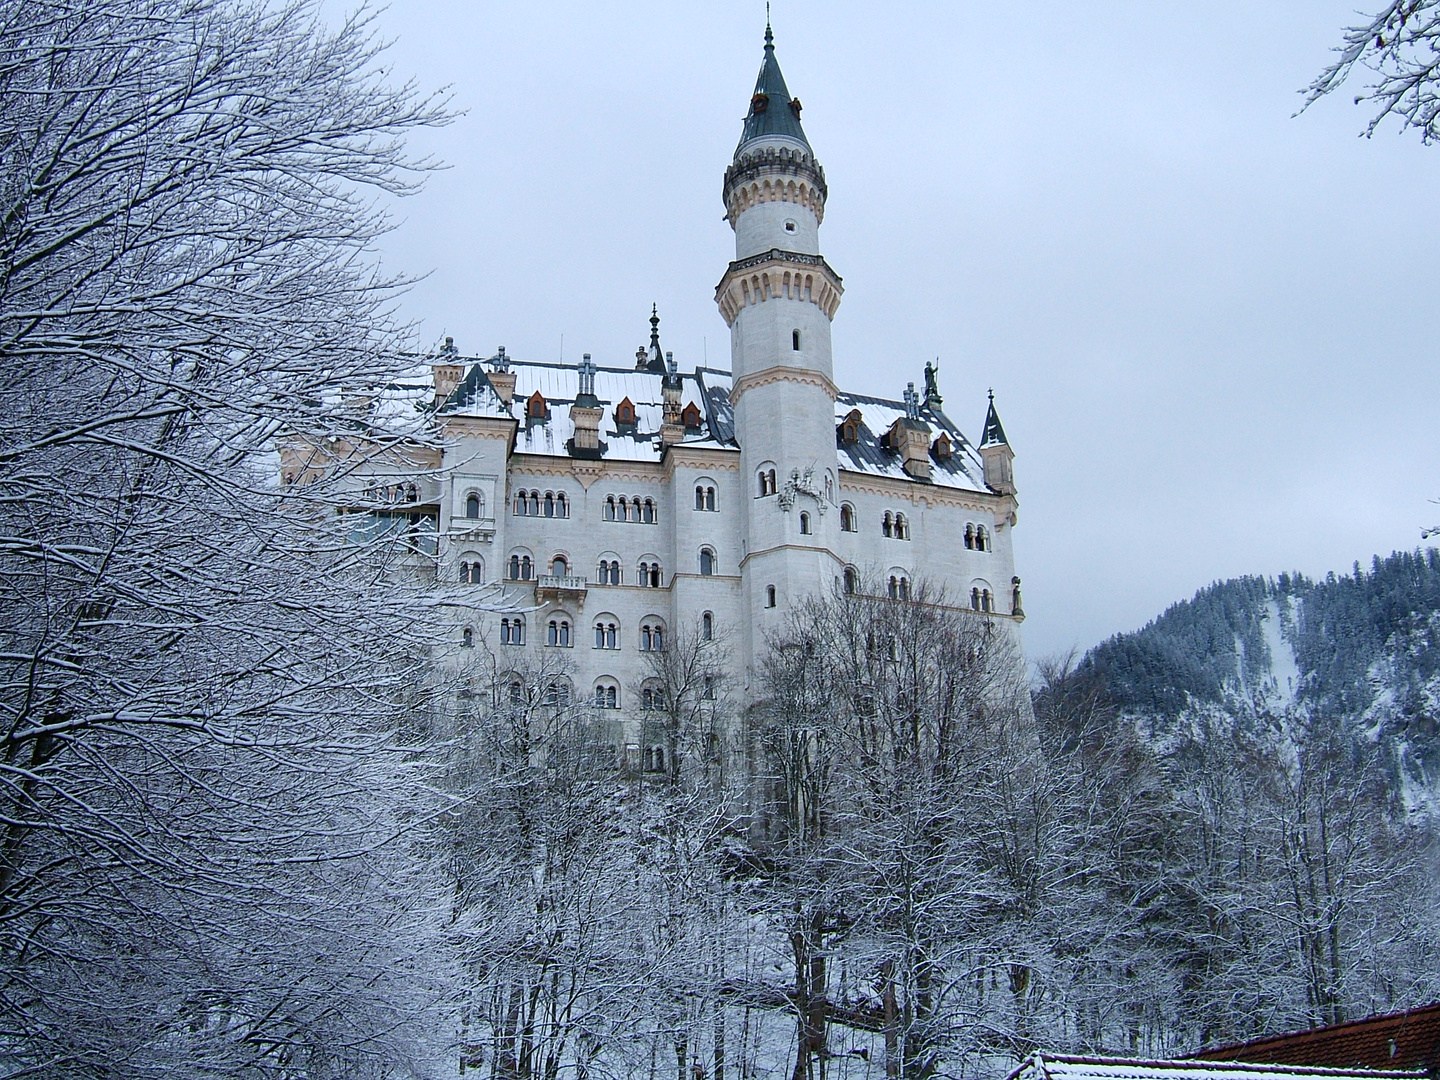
x=994 y=434
x=773 y=112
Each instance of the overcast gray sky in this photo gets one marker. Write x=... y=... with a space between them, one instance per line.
x=1210 y=325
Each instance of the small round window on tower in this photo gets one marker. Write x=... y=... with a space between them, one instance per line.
x=789 y=226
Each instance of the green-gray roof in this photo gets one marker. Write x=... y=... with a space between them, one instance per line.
x=994 y=434
x=772 y=110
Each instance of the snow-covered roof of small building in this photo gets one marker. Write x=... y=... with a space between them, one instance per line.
x=1046 y=1066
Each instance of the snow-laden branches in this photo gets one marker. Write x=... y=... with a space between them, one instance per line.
x=1400 y=46
x=212 y=703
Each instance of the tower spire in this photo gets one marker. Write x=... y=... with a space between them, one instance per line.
x=773 y=112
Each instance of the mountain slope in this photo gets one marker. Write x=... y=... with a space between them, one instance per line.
x=1361 y=651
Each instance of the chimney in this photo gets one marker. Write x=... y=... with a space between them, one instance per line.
x=909 y=437
x=585 y=415
x=672 y=428
x=447 y=371
x=502 y=379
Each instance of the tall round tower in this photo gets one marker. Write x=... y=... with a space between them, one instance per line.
x=778 y=297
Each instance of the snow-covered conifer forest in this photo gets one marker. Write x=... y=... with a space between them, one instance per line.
x=249 y=829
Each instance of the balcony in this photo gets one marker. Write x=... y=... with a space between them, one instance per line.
x=560 y=590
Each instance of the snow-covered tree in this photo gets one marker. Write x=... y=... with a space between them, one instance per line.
x=212 y=703
x=1400 y=47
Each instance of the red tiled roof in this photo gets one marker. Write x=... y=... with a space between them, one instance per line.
x=1406 y=1040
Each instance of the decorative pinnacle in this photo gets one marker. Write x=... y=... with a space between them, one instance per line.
x=912 y=403
x=587 y=376
x=769 y=36
x=654 y=326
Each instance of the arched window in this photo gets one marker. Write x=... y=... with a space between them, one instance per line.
x=847 y=518
x=512 y=631
x=902 y=527
x=559 y=566
x=647 y=699
x=514 y=567
x=557 y=633
x=607 y=633
x=699 y=497
x=795 y=340
x=535 y=406
x=649 y=518
x=770 y=478
x=982 y=539
x=709 y=498
x=986 y=604
x=607 y=695
x=893 y=588
x=562 y=506
x=904 y=588
x=609 y=507
x=887 y=525
x=707 y=562
x=975 y=599
x=522 y=504
x=634 y=509
x=652 y=637
x=609 y=573
x=549 y=504
x=472 y=570
x=707 y=626
x=970 y=536
x=769 y=595
x=557 y=693
x=527 y=568
x=467 y=638
x=472 y=505
x=534 y=504
x=650 y=575
x=804 y=523
x=829 y=488
x=852 y=581
x=517 y=693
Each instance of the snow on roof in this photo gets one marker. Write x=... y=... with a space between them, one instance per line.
x=963 y=470
x=1046 y=1066
x=709 y=388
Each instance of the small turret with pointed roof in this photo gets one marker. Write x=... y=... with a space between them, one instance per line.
x=995 y=452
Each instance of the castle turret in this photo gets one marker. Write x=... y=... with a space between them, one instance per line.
x=995 y=452
x=778 y=297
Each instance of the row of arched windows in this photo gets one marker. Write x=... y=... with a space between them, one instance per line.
x=533 y=504
x=632 y=508
x=896 y=526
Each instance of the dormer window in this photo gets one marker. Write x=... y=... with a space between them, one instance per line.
x=759 y=103
x=690 y=417
x=942 y=449
x=850 y=427
x=625 y=413
x=535 y=408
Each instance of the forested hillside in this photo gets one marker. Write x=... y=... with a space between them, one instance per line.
x=1359 y=652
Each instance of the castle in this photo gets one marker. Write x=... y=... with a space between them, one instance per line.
x=618 y=503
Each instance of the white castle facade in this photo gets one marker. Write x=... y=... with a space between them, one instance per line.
x=619 y=503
